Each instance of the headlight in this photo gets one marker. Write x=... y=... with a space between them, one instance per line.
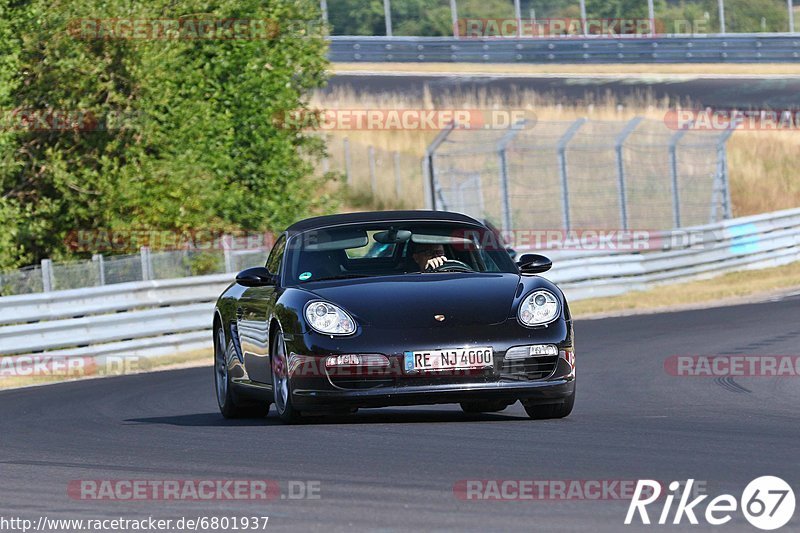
x=538 y=308
x=329 y=319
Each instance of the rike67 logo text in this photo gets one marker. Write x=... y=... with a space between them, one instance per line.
x=767 y=503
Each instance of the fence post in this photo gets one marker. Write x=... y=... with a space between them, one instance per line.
x=387 y=14
x=147 y=267
x=454 y=17
x=623 y=193
x=673 y=171
x=101 y=268
x=323 y=6
x=398 y=187
x=583 y=17
x=722 y=169
x=518 y=15
x=721 y=4
x=373 y=179
x=347 y=163
x=429 y=169
x=502 y=146
x=226 y=252
x=47 y=275
x=562 y=167
x=790 y=5
x=326 y=163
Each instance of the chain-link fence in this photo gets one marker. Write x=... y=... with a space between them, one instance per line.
x=146 y=265
x=582 y=174
x=389 y=178
x=463 y=19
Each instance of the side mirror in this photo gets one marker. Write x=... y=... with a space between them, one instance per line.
x=255 y=277
x=534 y=264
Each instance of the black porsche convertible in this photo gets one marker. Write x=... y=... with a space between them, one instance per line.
x=393 y=308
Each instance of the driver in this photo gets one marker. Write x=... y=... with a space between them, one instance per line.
x=428 y=256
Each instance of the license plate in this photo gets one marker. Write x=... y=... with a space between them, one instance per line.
x=454 y=359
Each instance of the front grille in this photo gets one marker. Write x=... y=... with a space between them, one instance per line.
x=530 y=368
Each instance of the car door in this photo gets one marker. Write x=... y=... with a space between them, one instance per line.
x=255 y=308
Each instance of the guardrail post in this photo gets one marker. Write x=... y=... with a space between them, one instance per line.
x=101 y=268
x=147 y=266
x=47 y=275
x=623 y=193
x=790 y=5
x=673 y=171
x=429 y=168
x=373 y=179
x=721 y=9
x=398 y=187
x=347 y=162
x=502 y=147
x=561 y=148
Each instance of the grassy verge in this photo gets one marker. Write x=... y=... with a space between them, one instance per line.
x=742 y=69
x=167 y=362
x=733 y=288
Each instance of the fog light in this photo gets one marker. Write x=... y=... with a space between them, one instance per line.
x=542 y=349
x=372 y=360
x=343 y=360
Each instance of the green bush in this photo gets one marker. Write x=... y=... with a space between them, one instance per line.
x=190 y=138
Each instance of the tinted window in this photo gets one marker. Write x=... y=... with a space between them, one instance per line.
x=380 y=250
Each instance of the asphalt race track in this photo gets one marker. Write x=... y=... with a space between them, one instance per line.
x=395 y=469
x=758 y=92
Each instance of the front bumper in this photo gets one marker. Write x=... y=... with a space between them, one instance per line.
x=549 y=391
x=314 y=387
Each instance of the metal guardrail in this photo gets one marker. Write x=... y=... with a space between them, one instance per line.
x=740 y=48
x=165 y=317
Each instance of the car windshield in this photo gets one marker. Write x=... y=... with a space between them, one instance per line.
x=389 y=250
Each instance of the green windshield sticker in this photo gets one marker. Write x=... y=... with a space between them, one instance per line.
x=304 y=276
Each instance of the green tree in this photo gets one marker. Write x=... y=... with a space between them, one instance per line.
x=187 y=136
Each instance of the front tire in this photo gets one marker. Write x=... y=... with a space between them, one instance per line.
x=223 y=352
x=281 y=385
x=548 y=411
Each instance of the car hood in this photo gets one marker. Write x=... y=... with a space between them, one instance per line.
x=411 y=301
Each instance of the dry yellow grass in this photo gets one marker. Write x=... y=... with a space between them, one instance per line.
x=735 y=287
x=742 y=69
x=762 y=164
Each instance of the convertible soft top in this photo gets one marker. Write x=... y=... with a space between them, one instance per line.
x=379 y=216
